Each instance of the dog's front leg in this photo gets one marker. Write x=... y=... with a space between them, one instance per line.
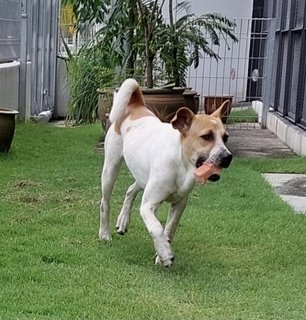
x=174 y=216
x=161 y=244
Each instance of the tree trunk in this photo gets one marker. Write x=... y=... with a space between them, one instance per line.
x=130 y=64
x=149 y=71
x=175 y=67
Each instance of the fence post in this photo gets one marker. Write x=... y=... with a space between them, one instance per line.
x=22 y=97
x=268 y=72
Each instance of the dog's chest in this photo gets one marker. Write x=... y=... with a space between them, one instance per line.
x=182 y=188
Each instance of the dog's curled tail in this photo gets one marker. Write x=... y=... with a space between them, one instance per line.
x=128 y=92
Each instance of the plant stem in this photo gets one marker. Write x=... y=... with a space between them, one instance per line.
x=175 y=68
x=130 y=64
x=149 y=70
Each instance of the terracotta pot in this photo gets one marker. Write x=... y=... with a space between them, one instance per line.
x=212 y=103
x=7 y=128
x=165 y=102
x=105 y=101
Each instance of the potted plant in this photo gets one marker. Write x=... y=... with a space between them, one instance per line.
x=86 y=73
x=92 y=71
x=7 y=128
x=179 y=44
x=140 y=39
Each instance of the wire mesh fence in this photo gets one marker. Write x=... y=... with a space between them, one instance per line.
x=238 y=76
x=9 y=30
x=71 y=35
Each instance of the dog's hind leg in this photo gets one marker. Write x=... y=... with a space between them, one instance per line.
x=125 y=213
x=175 y=213
x=111 y=167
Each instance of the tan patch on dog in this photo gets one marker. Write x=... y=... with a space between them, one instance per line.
x=135 y=113
x=137 y=98
x=135 y=110
x=202 y=125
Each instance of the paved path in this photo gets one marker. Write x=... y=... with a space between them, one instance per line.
x=291 y=188
x=253 y=141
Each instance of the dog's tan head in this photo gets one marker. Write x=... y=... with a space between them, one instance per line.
x=203 y=138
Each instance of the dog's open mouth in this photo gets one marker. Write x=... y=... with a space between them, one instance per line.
x=206 y=171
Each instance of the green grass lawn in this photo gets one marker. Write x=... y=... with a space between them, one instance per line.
x=240 y=250
x=245 y=115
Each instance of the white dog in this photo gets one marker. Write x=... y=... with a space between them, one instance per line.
x=164 y=159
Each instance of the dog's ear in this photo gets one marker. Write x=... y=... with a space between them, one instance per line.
x=182 y=120
x=224 y=109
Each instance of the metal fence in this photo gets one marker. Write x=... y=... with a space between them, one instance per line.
x=44 y=38
x=240 y=75
x=74 y=37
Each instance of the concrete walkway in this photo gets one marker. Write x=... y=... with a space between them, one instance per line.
x=291 y=188
x=255 y=142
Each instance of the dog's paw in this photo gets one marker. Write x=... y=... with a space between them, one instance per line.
x=121 y=231
x=168 y=262
x=104 y=236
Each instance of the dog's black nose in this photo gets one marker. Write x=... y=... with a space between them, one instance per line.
x=226 y=160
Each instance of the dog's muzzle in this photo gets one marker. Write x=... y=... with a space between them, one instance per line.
x=210 y=168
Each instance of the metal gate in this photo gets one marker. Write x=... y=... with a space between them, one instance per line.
x=38 y=47
x=44 y=54
x=240 y=75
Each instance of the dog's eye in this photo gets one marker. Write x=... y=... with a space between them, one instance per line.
x=225 y=138
x=208 y=137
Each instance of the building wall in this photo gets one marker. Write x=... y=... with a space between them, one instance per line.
x=288 y=88
x=229 y=8
x=62 y=90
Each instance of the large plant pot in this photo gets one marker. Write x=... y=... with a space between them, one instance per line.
x=212 y=103
x=165 y=102
x=7 y=128
x=105 y=102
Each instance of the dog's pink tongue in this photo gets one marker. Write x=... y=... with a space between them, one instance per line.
x=206 y=170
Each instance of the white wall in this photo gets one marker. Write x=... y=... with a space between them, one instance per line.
x=229 y=8
x=62 y=94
